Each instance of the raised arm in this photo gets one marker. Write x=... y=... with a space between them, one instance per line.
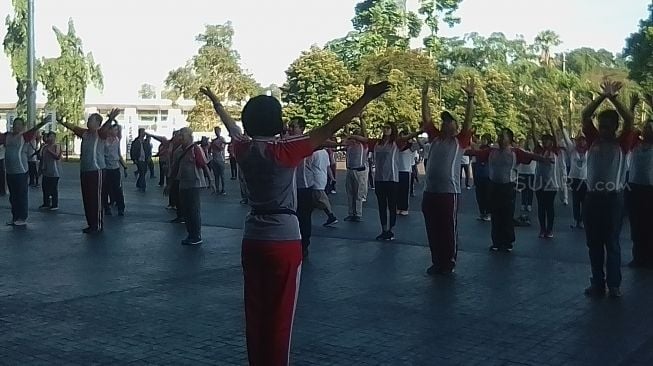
x=565 y=134
x=111 y=117
x=324 y=132
x=363 y=126
x=427 y=119
x=44 y=122
x=78 y=131
x=470 y=90
x=226 y=118
x=629 y=120
x=161 y=139
x=589 y=110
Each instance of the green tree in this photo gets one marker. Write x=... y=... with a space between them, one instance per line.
x=378 y=25
x=147 y=91
x=544 y=41
x=435 y=11
x=66 y=78
x=15 y=46
x=216 y=65
x=639 y=50
x=314 y=85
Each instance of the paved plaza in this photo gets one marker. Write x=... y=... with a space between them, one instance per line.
x=134 y=295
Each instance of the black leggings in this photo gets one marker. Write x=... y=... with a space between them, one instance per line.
x=403 y=191
x=545 y=209
x=234 y=167
x=578 y=192
x=464 y=168
x=386 y=195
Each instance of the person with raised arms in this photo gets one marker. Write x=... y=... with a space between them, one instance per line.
x=51 y=169
x=442 y=183
x=548 y=180
x=112 y=173
x=272 y=252
x=641 y=195
x=606 y=176
x=91 y=165
x=16 y=165
x=502 y=163
x=217 y=149
x=577 y=152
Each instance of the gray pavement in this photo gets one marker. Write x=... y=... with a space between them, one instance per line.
x=133 y=295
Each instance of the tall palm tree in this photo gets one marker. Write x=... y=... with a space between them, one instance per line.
x=544 y=41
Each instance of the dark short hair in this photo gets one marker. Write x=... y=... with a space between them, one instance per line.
x=548 y=137
x=610 y=117
x=141 y=130
x=51 y=133
x=95 y=116
x=487 y=137
x=446 y=116
x=299 y=120
x=262 y=116
x=509 y=133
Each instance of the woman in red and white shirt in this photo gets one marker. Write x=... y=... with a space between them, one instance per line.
x=502 y=164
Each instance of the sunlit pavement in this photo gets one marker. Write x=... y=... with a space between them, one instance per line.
x=133 y=294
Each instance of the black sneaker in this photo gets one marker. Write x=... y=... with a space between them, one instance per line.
x=178 y=220
x=244 y=201
x=614 y=292
x=44 y=207
x=357 y=219
x=595 y=291
x=390 y=236
x=432 y=270
x=508 y=248
x=54 y=208
x=91 y=230
x=331 y=221
x=382 y=236
x=189 y=241
x=494 y=248
x=349 y=218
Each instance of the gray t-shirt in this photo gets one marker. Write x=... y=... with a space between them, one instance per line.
x=112 y=153
x=92 y=152
x=51 y=164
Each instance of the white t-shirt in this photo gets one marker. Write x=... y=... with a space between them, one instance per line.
x=319 y=166
x=406 y=160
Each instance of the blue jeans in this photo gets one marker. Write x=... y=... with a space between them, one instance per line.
x=603 y=213
x=141 y=167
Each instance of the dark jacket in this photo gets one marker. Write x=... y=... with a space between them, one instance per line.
x=135 y=150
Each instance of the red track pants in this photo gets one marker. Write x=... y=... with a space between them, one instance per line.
x=272 y=271
x=441 y=218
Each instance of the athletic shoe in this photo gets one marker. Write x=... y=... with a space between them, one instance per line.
x=348 y=218
x=549 y=235
x=333 y=191
x=20 y=223
x=468 y=188
x=487 y=217
x=542 y=235
x=433 y=270
x=189 y=241
x=222 y=193
x=12 y=223
x=233 y=178
x=54 y=208
x=614 y=292
x=389 y=236
x=44 y=207
x=90 y=230
x=494 y=248
x=178 y=220
x=508 y=248
x=331 y=221
x=594 y=291
x=382 y=236
x=481 y=218
x=357 y=219
x=244 y=201
x=170 y=207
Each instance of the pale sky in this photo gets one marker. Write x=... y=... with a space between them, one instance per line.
x=139 y=41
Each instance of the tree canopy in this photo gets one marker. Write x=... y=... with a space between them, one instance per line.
x=216 y=65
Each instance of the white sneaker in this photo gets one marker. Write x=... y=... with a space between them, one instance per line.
x=20 y=223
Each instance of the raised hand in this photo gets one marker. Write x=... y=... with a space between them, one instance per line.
x=616 y=87
x=606 y=88
x=470 y=87
x=634 y=101
x=113 y=114
x=209 y=93
x=373 y=91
